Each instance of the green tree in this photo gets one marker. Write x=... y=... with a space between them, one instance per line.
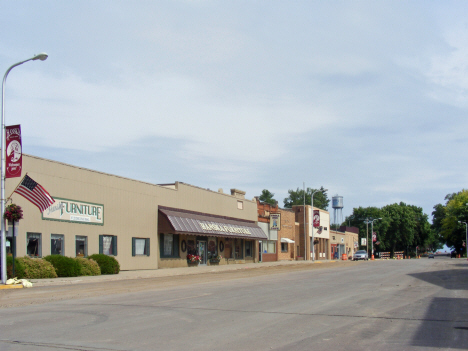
x=453 y=232
x=267 y=196
x=296 y=197
x=358 y=219
x=402 y=227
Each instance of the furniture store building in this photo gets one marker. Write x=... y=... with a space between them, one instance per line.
x=145 y=226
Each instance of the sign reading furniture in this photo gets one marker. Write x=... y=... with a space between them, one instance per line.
x=75 y=211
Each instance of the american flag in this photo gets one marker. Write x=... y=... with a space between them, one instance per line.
x=35 y=193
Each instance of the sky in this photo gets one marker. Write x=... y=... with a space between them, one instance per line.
x=368 y=99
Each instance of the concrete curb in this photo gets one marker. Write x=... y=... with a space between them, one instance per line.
x=165 y=272
x=11 y=286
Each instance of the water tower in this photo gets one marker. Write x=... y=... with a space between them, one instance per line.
x=337 y=204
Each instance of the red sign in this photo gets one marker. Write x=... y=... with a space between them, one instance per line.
x=316 y=219
x=374 y=236
x=14 y=159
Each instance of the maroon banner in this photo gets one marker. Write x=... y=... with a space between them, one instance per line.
x=316 y=219
x=374 y=236
x=14 y=159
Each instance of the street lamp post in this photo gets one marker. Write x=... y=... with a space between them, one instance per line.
x=42 y=57
x=466 y=242
x=367 y=234
x=372 y=240
x=312 y=203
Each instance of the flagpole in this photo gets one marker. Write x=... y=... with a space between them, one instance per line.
x=9 y=197
x=3 y=272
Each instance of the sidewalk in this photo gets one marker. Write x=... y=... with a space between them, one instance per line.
x=166 y=272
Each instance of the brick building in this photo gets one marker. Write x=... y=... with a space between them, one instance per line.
x=267 y=249
x=281 y=243
x=316 y=239
x=288 y=236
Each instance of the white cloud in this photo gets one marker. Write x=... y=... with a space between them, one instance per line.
x=366 y=98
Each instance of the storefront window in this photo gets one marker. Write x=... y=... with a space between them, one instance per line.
x=81 y=246
x=33 y=242
x=239 y=247
x=56 y=244
x=108 y=245
x=169 y=245
x=248 y=248
x=271 y=246
x=191 y=249
x=212 y=248
x=228 y=248
x=9 y=246
x=140 y=247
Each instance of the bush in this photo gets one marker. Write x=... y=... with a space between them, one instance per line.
x=108 y=264
x=64 y=266
x=32 y=268
x=19 y=268
x=88 y=267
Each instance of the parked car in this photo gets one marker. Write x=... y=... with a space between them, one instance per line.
x=360 y=255
x=431 y=255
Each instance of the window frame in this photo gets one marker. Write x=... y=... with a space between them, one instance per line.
x=286 y=245
x=175 y=246
x=251 y=244
x=9 y=239
x=62 y=237
x=85 y=253
x=146 y=249
x=273 y=244
x=113 y=244
x=39 y=245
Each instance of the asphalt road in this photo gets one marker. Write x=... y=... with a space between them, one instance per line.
x=375 y=305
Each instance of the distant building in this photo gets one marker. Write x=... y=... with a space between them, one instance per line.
x=316 y=239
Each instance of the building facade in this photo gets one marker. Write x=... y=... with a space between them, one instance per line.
x=288 y=236
x=268 y=249
x=315 y=243
x=344 y=241
x=143 y=225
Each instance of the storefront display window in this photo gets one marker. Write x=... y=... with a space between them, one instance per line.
x=212 y=248
x=56 y=244
x=33 y=242
x=169 y=246
x=9 y=246
x=248 y=248
x=239 y=248
x=191 y=249
x=81 y=246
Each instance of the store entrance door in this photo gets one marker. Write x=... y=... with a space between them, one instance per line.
x=260 y=251
x=202 y=251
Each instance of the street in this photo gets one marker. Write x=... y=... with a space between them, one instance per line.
x=415 y=304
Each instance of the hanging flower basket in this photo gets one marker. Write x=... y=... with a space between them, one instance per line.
x=13 y=212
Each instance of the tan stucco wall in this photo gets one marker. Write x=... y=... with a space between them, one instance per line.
x=348 y=240
x=130 y=208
